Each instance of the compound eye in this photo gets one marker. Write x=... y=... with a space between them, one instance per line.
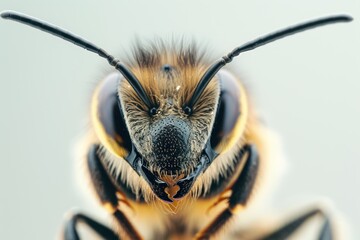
x=227 y=127
x=107 y=117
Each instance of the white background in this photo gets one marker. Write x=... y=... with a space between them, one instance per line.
x=307 y=87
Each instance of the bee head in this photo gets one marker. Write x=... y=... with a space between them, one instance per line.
x=170 y=146
x=168 y=114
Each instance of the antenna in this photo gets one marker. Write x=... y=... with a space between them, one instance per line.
x=215 y=67
x=70 y=37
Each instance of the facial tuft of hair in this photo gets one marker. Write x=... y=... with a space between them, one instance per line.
x=169 y=73
x=187 y=62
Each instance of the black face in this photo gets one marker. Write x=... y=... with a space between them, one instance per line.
x=171 y=153
x=170 y=137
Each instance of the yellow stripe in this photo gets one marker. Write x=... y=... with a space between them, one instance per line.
x=107 y=140
x=227 y=143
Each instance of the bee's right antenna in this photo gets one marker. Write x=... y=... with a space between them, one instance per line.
x=70 y=37
x=213 y=69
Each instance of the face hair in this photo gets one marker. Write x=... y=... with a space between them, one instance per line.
x=70 y=37
x=213 y=69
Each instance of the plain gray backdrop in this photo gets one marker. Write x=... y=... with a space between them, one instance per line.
x=306 y=86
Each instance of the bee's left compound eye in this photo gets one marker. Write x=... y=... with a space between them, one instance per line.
x=108 y=121
x=231 y=113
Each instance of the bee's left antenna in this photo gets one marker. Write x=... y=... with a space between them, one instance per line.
x=70 y=37
x=214 y=68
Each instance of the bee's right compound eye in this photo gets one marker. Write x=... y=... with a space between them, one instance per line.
x=107 y=118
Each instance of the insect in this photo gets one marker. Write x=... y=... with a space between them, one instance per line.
x=176 y=150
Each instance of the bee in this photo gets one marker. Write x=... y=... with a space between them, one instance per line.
x=176 y=149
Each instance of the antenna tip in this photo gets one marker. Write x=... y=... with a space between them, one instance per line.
x=345 y=18
x=349 y=18
x=6 y=14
